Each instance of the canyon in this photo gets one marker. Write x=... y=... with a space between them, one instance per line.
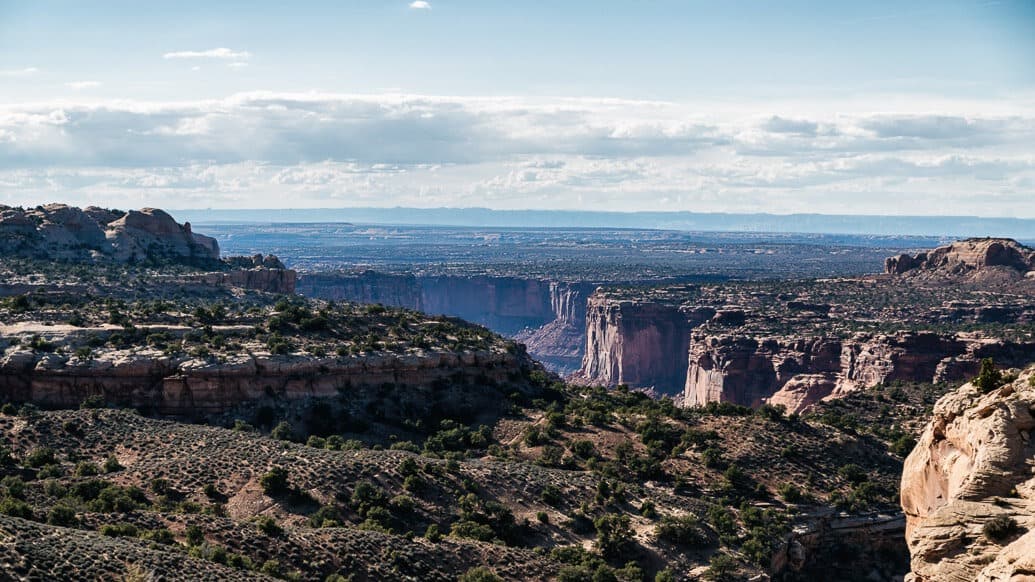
x=548 y=316
x=931 y=318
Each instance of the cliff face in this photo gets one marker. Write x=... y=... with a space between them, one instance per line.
x=641 y=344
x=798 y=372
x=184 y=386
x=973 y=466
x=548 y=316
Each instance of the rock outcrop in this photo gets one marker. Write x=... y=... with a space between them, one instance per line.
x=62 y=232
x=974 y=258
x=971 y=471
x=196 y=387
x=798 y=372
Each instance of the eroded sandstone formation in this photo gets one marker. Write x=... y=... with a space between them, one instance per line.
x=62 y=232
x=639 y=343
x=982 y=258
x=798 y=372
x=971 y=471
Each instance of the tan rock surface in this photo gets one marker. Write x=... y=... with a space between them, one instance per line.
x=975 y=461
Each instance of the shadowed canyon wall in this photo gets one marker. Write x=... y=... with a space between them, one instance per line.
x=548 y=316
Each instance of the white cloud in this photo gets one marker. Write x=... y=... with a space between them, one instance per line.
x=420 y=5
x=237 y=65
x=81 y=85
x=18 y=72
x=216 y=53
x=262 y=148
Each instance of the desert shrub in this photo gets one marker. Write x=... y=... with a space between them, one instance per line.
x=684 y=531
x=92 y=401
x=86 y=469
x=62 y=515
x=712 y=458
x=326 y=516
x=433 y=534
x=194 y=535
x=721 y=568
x=282 y=432
x=1000 y=528
x=113 y=498
x=904 y=444
x=117 y=530
x=268 y=526
x=790 y=493
x=479 y=574
x=614 y=534
x=40 y=457
x=771 y=412
x=472 y=530
x=275 y=481
x=852 y=473
x=15 y=508
x=13 y=486
x=665 y=575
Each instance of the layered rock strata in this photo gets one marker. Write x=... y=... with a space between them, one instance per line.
x=968 y=487
x=798 y=372
x=184 y=386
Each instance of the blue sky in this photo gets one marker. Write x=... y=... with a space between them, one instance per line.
x=868 y=107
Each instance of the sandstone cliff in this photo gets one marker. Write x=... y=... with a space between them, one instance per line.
x=61 y=232
x=798 y=372
x=639 y=343
x=971 y=468
x=188 y=386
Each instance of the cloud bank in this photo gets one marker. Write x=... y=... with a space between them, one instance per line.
x=216 y=53
x=270 y=149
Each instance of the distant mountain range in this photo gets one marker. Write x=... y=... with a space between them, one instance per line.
x=949 y=226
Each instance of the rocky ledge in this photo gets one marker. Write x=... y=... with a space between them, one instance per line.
x=188 y=386
x=968 y=488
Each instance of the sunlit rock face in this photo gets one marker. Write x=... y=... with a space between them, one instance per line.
x=973 y=465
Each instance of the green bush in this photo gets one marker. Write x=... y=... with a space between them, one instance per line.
x=275 y=481
x=683 y=531
x=40 y=457
x=479 y=574
x=117 y=530
x=62 y=515
x=268 y=526
x=989 y=378
x=1000 y=528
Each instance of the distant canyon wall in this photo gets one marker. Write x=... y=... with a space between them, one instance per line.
x=641 y=344
x=653 y=345
x=548 y=316
x=798 y=372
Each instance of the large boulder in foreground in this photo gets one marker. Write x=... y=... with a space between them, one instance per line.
x=968 y=488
